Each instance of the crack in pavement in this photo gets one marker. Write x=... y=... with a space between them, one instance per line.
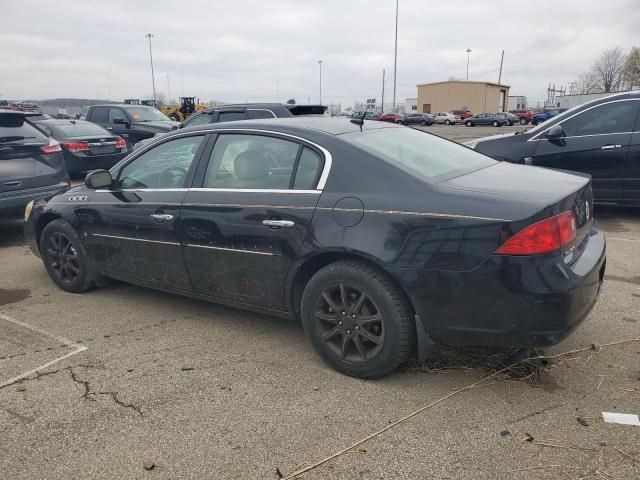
x=85 y=383
x=114 y=397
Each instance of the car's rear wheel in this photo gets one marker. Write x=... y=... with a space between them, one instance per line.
x=495 y=123
x=65 y=258
x=447 y=122
x=358 y=320
x=423 y=123
x=523 y=121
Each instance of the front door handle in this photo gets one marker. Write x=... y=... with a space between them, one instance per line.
x=13 y=184
x=161 y=217
x=278 y=223
x=610 y=147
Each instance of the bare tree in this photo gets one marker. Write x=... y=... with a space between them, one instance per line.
x=631 y=69
x=606 y=71
x=583 y=84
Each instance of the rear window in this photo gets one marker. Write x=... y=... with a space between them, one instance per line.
x=88 y=129
x=419 y=153
x=24 y=133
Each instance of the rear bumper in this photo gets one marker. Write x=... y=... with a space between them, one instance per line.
x=13 y=203
x=509 y=302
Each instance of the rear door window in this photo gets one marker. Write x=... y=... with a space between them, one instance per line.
x=100 y=115
x=116 y=113
x=256 y=114
x=200 y=119
x=231 y=116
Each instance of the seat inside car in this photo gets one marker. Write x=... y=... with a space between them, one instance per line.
x=252 y=171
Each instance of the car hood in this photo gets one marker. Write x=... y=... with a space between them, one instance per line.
x=160 y=126
x=539 y=186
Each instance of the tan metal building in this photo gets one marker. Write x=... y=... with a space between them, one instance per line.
x=479 y=97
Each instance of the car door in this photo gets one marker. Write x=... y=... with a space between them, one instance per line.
x=117 y=123
x=130 y=229
x=244 y=222
x=632 y=173
x=594 y=141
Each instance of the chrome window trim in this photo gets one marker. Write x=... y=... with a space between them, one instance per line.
x=199 y=189
x=224 y=249
x=261 y=110
x=535 y=137
x=594 y=135
x=328 y=158
x=134 y=239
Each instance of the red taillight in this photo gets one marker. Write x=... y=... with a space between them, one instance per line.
x=53 y=147
x=75 y=147
x=120 y=143
x=545 y=236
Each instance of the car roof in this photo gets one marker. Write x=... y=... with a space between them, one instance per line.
x=327 y=125
x=60 y=121
x=121 y=105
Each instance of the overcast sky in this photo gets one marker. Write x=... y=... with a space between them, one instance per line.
x=268 y=50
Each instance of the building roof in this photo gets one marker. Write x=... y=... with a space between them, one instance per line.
x=465 y=81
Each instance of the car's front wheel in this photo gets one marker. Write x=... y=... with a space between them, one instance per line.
x=469 y=123
x=357 y=319
x=523 y=121
x=423 y=123
x=495 y=123
x=65 y=258
x=447 y=122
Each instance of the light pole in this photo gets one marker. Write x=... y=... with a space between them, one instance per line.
x=395 y=61
x=468 y=52
x=320 y=64
x=153 y=78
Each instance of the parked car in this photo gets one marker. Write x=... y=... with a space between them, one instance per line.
x=367 y=115
x=510 y=117
x=423 y=119
x=599 y=138
x=251 y=111
x=31 y=164
x=463 y=114
x=447 y=118
x=266 y=215
x=493 y=119
x=391 y=118
x=85 y=146
x=524 y=115
x=131 y=122
x=546 y=115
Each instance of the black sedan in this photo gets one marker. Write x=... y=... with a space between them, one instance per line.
x=378 y=237
x=85 y=145
x=599 y=138
x=423 y=119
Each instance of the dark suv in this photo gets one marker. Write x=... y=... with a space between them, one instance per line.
x=131 y=122
x=600 y=138
x=31 y=164
x=251 y=111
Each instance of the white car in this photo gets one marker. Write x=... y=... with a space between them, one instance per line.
x=447 y=118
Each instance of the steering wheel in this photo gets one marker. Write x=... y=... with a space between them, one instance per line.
x=173 y=175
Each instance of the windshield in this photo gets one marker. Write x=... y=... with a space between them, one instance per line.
x=147 y=114
x=554 y=120
x=80 y=129
x=420 y=153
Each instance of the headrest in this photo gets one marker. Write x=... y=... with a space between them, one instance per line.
x=251 y=165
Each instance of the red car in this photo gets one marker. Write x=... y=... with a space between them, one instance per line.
x=463 y=114
x=524 y=115
x=391 y=118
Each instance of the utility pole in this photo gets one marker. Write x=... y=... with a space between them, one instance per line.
x=501 y=61
x=168 y=89
x=382 y=106
x=468 y=52
x=153 y=78
x=320 y=64
x=395 y=61
x=182 y=78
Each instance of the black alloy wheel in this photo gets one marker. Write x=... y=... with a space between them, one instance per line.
x=65 y=258
x=357 y=319
x=62 y=258
x=349 y=322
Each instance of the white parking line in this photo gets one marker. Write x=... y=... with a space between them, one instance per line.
x=77 y=349
x=624 y=239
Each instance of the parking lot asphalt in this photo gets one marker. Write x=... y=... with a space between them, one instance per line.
x=141 y=384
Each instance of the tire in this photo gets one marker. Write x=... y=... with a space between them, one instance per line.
x=523 y=121
x=76 y=274
x=423 y=123
x=175 y=117
x=495 y=123
x=447 y=122
x=534 y=122
x=469 y=123
x=386 y=342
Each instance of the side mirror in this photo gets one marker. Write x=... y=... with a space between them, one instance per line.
x=98 y=179
x=121 y=121
x=554 y=133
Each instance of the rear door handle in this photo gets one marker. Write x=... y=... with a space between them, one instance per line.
x=13 y=184
x=278 y=223
x=610 y=147
x=161 y=217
